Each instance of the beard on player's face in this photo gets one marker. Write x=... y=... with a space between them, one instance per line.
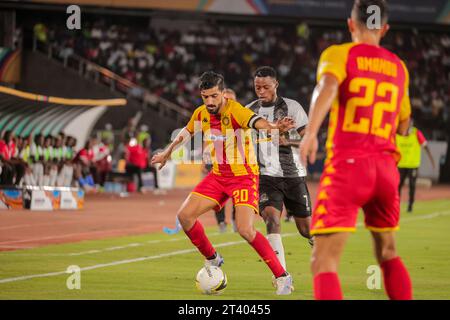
x=213 y=109
x=213 y=99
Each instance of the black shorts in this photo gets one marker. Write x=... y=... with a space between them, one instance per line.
x=292 y=192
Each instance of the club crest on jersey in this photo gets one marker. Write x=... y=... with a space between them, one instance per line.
x=225 y=121
x=263 y=198
x=205 y=120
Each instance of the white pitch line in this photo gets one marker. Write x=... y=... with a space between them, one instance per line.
x=92 y=251
x=83 y=252
x=179 y=252
x=131 y=245
x=116 y=263
x=9 y=242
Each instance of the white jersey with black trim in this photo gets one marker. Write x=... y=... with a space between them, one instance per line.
x=285 y=160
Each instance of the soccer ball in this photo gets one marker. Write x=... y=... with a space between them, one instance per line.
x=211 y=280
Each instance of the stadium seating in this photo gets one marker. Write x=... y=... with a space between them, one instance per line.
x=168 y=61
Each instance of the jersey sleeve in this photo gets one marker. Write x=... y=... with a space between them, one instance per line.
x=300 y=118
x=245 y=117
x=195 y=117
x=421 y=138
x=333 y=60
x=405 y=107
x=250 y=105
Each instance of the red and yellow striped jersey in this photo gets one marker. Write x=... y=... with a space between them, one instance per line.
x=372 y=99
x=228 y=138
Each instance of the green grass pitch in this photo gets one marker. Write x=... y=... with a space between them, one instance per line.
x=160 y=266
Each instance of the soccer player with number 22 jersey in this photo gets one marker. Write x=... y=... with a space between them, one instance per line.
x=366 y=88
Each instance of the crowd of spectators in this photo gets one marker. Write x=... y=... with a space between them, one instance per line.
x=427 y=57
x=168 y=62
x=53 y=161
x=37 y=160
x=134 y=148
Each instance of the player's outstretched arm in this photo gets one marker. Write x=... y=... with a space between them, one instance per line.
x=324 y=94
x=282 y=125
x=162 y=157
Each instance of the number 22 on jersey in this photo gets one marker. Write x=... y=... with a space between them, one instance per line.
x=372 y=89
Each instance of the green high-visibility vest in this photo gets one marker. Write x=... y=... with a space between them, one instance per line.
x=38 y=154
x=48 y=154
x=410 y=150
x=68 y=153
x=106 y=134
x=142 y=136
x=58 y=153
x=25 y=154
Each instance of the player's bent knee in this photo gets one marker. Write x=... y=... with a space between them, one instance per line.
x=272 y=220
x=326 y=252
x=246 y=232
x=386 y=253
x=316 y=264
x=303 y=227
x=313 y=264
x=305 y=233
x=322 y=263
x=385 y=248
x=186 y=217
x=273 y=224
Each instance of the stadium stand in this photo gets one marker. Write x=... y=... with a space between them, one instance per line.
x=156 y=59
x=167 y=62
x=39 y=137
x=148 y=55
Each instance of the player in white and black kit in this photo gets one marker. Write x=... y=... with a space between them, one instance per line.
x=282 y=176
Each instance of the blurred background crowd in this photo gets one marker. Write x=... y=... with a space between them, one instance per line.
x=168 y=62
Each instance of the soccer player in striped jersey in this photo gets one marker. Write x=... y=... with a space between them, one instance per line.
x=226 y=126
x=282 y=176
x=366 y=87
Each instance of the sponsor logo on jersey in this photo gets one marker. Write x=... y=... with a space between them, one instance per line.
x=217 y=138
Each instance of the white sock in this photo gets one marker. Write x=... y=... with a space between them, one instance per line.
x=277 y=246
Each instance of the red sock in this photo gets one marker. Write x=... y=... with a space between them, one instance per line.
x=397 y=282
x=200 y=240
x=265 y=251
x=327 y=286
